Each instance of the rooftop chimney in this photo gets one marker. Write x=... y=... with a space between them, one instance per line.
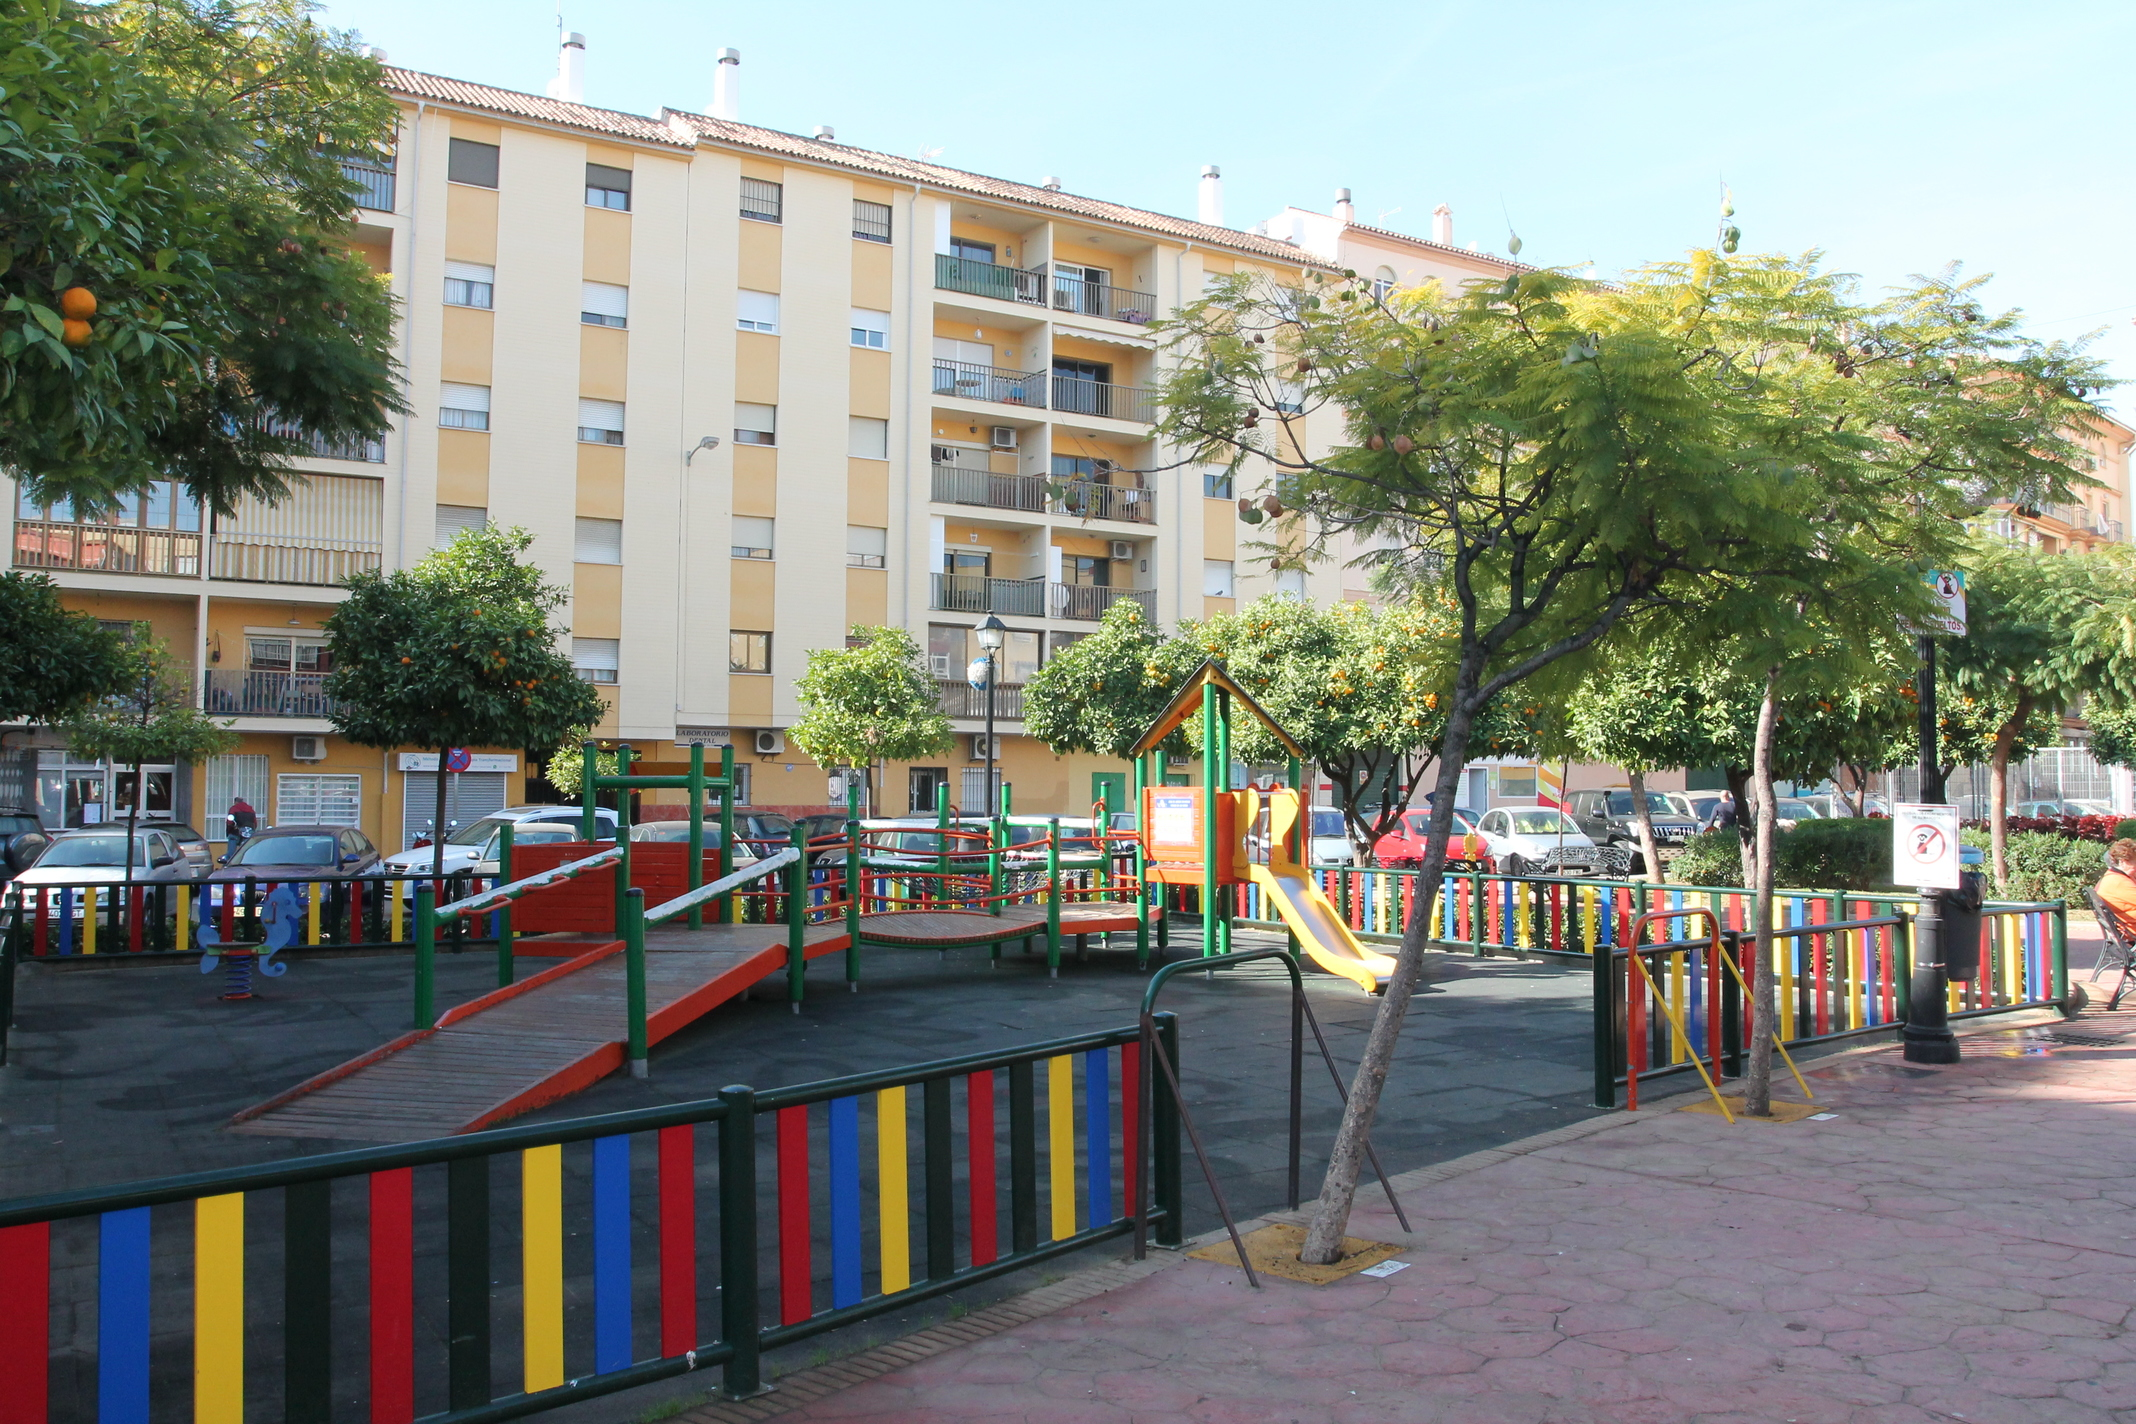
x=1050 y=183
x=378 y=54
x=1344 y=212
x=1442 y=225
x=570 y=81
x=1211 y=210
x=727 y=86
x=826 y=134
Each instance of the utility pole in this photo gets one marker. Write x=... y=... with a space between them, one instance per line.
x=1927 y=1037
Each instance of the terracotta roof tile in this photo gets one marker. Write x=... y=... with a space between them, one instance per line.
x=439 y=89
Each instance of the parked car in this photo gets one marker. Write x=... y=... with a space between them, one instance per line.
x=22 y=838
x=1403 y=847
x=191 y=843
x=1523 y=840
x=672 y=832
x=96 y=855
x=1790 y=811
x=1697 y=807
x=2045 y=810
x=464 y=848
x=1607 y=816
x=1027 y=836
x=906 y=842
x=302 y=854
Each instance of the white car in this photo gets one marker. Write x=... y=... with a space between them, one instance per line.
x=97 y=856
x=474 y=846
x=1523 y=840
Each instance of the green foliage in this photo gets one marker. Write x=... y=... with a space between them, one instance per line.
x=2125 y=827
x=149 y=718
x=52 y=662
x=1101 y=694
x=180 y=159
x=566 y=767
x=872 y=701
x=1845 y=854
x=456 y=652
x=2113 y=734
x=2045 y=866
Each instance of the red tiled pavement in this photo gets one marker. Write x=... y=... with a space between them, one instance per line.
x=1958 y=1244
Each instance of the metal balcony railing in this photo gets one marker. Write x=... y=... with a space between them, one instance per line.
x=989 y=383
x=1086 y=499
x=238 y=692
x=1087 y=298
x=989 y=279
x=371 y=184
x=1075 y=395
x=107 y=548
x=1088 y=602
x=959 y=484
x=971 y=593
x=961 y=699
x=370 y=452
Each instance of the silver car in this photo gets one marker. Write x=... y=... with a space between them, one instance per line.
x=96 y=855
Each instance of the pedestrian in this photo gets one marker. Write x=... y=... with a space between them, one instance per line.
x=1724 y=812
x=2118 y=886
x=240 y=821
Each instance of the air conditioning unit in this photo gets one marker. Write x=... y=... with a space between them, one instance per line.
x=1005 y=437
x=307 y=749
x=981 y=751
x=770 y=743
x=1122 y=549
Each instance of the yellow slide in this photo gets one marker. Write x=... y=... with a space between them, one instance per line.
x=1320 y=929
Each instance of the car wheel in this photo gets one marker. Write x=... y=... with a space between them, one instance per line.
x=1513 y=865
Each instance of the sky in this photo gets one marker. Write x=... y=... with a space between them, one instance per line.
x=1895 y=137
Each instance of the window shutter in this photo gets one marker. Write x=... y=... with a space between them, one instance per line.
x=605 y=299
x=598 y=541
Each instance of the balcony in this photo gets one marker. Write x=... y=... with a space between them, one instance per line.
x=1087 y=298
x=961 y=699
x=990 y=279
x=106 y=548
x=1075 y=395
x=236 y=692
x=326 y=528
x=1034 y=494
x=370 y=184
x=989 y=383
x=972 y=593
x=1088 y=602
x=370 y=452
x=1086 y=499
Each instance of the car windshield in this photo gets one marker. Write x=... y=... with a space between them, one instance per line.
x=476 y=832
x=1328 y=822
x=672 y=831
x=1541 y=823
x=1620 y=804
x=16 y=825
x=93 y=850
x=543 y=833
x=1420 y=821
x=287 y=850
x=1793 y=810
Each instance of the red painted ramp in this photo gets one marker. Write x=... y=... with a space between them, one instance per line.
x=543 y=1038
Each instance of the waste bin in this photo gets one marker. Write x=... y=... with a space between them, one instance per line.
x=1961 y=926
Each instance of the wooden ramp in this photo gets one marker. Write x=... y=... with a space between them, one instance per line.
x=932 y=929
x=543 y=1038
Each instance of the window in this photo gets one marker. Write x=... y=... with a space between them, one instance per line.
x=165 y=504
x=1086 y=572
x=598 y=541
x=867 y=438
x=970 y=250
x=1216 y=484
x=1214 y=281
x=1516 y=781
x=1217 y=578
x=1290 y=583
x=926 y=784
x=302 y=655
x=757 y=311
x=607 y=187
x=596 y=659
x=464 y=407
x=871 y=329
x=315 y=799
x=741 y=783
x=604 y=304
x=600 y=422
x=469 y=284
x=748 y=652
x=1382 y=283
x=755 y=424
x=866 y=547
x=753 y=537
x=452 y=518
x=871 y=221
x=232 y=778
x=469 y=162
x=763 y=201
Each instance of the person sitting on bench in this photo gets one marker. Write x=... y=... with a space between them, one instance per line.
x=2118 y=886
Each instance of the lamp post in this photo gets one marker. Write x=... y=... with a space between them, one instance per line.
x=985 y=667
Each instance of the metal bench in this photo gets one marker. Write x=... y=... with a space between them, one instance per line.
x=2115 y=948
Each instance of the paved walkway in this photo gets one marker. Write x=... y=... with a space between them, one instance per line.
x=1956 y=1244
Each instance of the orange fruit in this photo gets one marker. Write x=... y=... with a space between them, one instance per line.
x=74 y=333
x=77 y=304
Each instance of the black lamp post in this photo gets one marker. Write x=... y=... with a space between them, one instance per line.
x=990 y=635
x=1927 y=1037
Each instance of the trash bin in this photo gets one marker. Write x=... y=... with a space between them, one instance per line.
x=1961 y=927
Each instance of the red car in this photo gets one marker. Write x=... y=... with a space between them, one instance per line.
x=1403 y=847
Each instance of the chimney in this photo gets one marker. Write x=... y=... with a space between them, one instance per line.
x=1211 y=210
x=1442 y=225
x=1050 y=183
x=826 y=134
x=1344 y=211
x=570 y=81
x=727 y=86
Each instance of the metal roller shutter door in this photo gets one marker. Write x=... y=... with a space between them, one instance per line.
x=469 y=796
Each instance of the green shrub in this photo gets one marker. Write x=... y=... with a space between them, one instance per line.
x=2125 y=828
x=1817 y=855
x=2045 y=866
x=1709 y=858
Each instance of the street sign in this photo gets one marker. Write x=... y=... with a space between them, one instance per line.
x=1948 y=585
x=458 y=759
x=1924 y=848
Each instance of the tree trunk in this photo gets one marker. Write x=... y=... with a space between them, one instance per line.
x=1758 y=1081
x=1745 y=828
x=1338 y=1190
x=437 y=822
x=1643 y=818
x=1999 y=791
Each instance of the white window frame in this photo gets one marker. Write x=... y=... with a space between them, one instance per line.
x=756 y=311
x=597 y=541
x=755 y=423
x=470 y=284
x=600 y=422
x=867 y=437
x=753 y=536
x=866 y=546
x=463 y=407
x=1219 y=578
x=338 y=805
x=871 y=329
x=450 y=525
x=604 y=304
x=763 y=200
x=597 y=660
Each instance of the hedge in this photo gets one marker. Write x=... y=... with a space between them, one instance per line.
x=1845 y=854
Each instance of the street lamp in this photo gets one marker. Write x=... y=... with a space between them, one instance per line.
x=990 y=635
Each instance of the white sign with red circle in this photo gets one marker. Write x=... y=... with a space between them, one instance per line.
x=1924 y=849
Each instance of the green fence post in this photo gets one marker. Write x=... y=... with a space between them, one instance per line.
x=1053 y=900
x=622 y=872
x=1166 y=1179
x=1604 y=970
x=634 y=977
x=739 y=1325
x=2058 y=965
x=589 y=792
x=697 y=829
x=1142 y=870
x=730 y=903
x=426 y=953
x=505 y=969
x=997 y=836
x=853 y=883
x=1210 y=787
x=797 y=918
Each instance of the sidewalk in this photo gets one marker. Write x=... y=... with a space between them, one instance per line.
x=1958 y=1243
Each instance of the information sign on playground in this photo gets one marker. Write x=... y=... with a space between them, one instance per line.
x=1175 y=819
x=1948 y=586
x=1924 y=849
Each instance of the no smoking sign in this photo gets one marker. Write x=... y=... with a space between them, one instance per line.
x=1924 y=848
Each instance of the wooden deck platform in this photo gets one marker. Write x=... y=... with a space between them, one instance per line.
x=930 y=929
x=543 y=1038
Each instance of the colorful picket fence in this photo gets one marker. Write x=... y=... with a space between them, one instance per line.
x=510 y=1271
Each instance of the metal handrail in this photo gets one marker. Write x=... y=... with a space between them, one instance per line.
x=990 y=383
x=502 y=894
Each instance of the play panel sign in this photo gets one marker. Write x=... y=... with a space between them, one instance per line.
x=1924 y=849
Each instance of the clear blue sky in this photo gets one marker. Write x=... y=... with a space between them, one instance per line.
x=1895 y=136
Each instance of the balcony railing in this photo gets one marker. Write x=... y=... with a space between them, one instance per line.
x=370 y=452
x=1075 y=395
x=252 y=558
x=990 y=279
x=1089 y=602
x=959 y=484
x=971 y=593
x=237 y=692
x=1087 y=298
x=961 y=699
x=370 y=183
x=106 y=548
x=989 y=383
x=1086 y=499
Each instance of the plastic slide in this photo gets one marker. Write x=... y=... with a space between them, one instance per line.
x=1320 y=929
